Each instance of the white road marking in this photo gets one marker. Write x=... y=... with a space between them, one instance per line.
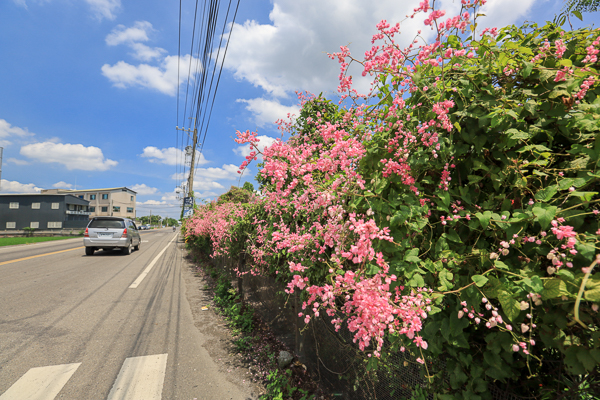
x=41 y=383
x=140 y=278
x=140 y=378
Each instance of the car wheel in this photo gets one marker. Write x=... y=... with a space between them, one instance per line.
x=137 y=247
x=89 y=251
x=127 y=250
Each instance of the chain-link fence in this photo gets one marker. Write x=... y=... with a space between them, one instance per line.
x=333 y=357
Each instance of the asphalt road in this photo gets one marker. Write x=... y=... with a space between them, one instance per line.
x=77 y=327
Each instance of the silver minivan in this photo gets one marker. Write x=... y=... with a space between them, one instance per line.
x=107 y=233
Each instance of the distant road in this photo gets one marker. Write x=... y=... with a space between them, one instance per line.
x=106 y=326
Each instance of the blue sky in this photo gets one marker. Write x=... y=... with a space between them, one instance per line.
x=89 y=87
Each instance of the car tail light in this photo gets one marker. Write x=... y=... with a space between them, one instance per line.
x=124 y=235
x=86 y=234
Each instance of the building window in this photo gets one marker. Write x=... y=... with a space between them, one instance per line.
x=11 y=225
x=81 y=196
x=116 y=209
x=131 y=198
x=14 y=205
x=92 y=209
x=35 y=206
x=105 y=196
x=104 y=209
x=55 y=206
x=54 y=225
x=34 y=225
x=129 y=209
x=92 y=197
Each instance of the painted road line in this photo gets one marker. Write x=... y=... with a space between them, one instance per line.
x=140 y=278
x=42 y=383
x=140 y=378
x=39 y=255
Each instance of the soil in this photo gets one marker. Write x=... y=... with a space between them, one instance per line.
x=250 y=369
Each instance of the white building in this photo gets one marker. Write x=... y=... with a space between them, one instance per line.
x=117 y=202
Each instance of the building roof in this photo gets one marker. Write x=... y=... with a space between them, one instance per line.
x=93 y=190
x=45 y=194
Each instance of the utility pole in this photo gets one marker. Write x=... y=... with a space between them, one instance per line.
x=190 y=187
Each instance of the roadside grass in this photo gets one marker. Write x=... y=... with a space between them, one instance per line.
x=10 y=241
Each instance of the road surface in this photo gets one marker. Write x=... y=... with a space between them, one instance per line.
x=105 y=327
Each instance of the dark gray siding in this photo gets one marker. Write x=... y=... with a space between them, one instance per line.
x=66 y=213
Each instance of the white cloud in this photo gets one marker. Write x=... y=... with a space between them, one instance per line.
x=289 y=53
x=162 y=78
x=266 y=112
x=228 y=172
x=7 y=131
x=137 y=33
x=104 y=8
x=142 y=189
x=101 y=8
x=501 y=13
x=62 y=185
x=17 y=161
x=170 y=156
x=72 y=156
x=265 y=141
x=206 y=195
x=150 y=203
x=205 y=184
x=132 y=37
x=21 y=3
x=17 y=187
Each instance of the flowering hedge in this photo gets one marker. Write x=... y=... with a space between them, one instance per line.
x=451 y=212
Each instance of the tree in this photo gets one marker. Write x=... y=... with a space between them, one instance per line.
x=582 y=5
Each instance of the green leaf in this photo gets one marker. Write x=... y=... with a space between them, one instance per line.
x=445 y=277
x=586 y=359
x=554 y=289
x=544 y=214
x=479 y=280
x=510 y=306
x=500 y=265
x=593 y=292
x=527 y=70
x=577 y=13
x=452 y=236
x=546 y=194
x=484 y=219
x=517 y=135
x=565 y=62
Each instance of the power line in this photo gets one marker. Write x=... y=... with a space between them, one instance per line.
x=207 y=63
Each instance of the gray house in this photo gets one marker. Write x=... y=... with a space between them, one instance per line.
x=43 y=211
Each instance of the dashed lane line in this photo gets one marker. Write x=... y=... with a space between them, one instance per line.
x=140 y=278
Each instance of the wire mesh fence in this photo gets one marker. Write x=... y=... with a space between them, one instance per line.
x=333 y=358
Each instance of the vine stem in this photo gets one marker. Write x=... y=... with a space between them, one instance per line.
x=580 y=294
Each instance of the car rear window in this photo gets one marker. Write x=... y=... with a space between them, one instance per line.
x=107 y=223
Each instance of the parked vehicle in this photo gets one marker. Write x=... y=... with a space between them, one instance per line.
x=108 y=233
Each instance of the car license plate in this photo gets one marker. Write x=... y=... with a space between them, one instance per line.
x=105 y=235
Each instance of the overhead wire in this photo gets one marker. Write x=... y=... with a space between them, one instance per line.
x=201 y=105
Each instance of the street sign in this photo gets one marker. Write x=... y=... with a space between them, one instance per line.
x=188 y=212
x=188 y=202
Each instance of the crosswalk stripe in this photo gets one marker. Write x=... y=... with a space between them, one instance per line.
x=41 y=383
x=140 y=378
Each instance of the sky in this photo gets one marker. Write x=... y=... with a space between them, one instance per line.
x=92 y=91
